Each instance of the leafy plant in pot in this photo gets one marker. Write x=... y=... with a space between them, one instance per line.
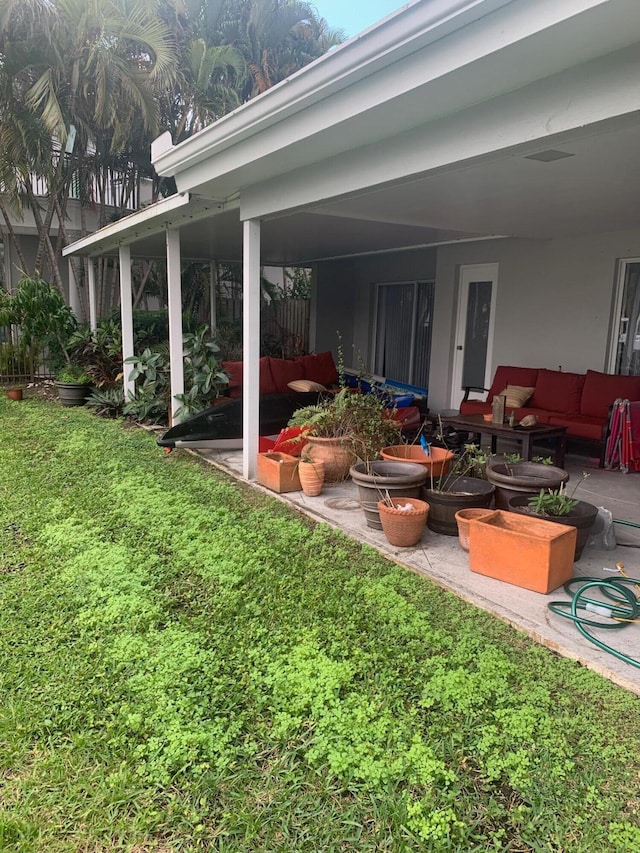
x=73 y=385
x=556 y=505
x=341 y=427
x=311 y=475
x=454 y=490
x=514 y=479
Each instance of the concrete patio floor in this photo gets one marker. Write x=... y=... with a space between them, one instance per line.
x=441 y=559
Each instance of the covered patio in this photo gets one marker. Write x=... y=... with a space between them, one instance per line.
x=455 y=143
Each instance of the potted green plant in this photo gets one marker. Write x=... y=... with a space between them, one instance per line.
x=311 y=475
x=456 y=489
x=563 y=508
x=73 y=385
x=513 y=479
x=343 y=427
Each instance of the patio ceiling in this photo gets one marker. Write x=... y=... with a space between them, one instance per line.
x=507 y=194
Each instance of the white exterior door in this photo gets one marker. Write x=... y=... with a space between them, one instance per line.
x=473 y=353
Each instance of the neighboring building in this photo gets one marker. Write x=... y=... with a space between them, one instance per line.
x=463 y=178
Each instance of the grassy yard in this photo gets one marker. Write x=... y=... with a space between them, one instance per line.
x=188 y=665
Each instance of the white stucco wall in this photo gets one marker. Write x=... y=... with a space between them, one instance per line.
x=344 y=298
x=553 y=308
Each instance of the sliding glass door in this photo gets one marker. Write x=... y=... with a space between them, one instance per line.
x=403 y=328
x=625 y=356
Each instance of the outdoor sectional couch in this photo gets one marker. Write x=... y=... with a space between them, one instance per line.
x=578 y=401
x=277 y=373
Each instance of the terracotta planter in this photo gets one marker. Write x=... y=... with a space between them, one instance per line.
x=403 y=527
x=525 y=551
x=311 y=477
x=336 y=453
x=278 y=472
x=14 y=393
x=456 y=494
x=582 y=517
x=514 y=479
x=463 y=517
x=72 y=393
x=438 y=462
x=375 y=480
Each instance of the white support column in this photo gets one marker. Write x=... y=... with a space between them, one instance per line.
x=74 y=296
x=250 y=345
x=176 y=348
x=126 y=313
x=93 y=313
x=213 y=289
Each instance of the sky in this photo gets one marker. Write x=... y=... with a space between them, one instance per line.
x=353 y=16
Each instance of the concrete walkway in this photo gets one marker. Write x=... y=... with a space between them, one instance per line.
x=441 y=559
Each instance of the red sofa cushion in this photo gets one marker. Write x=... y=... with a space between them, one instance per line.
x=234 y=369
x=602 y=389
x=580 y=426
x=319 y=367
x=284 y=371
x=507 y=375
x=558 y=392
x=474 y=407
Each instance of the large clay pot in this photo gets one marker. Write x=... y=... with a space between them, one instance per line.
x=458 y=493
x=582 y=517
x=336 y=453
x=375 y=480
x=403 y=527
x=518 y=479
x=437 y=462
x=14 y=393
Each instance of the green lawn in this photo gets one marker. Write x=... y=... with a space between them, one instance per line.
x=188 y=665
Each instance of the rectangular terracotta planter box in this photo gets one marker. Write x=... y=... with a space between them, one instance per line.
x=527 y=552
x=278 y=472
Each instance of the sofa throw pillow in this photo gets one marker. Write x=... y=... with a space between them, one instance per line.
x=517 y=396
x=305 y=385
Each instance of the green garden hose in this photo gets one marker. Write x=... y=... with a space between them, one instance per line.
x=623 y=609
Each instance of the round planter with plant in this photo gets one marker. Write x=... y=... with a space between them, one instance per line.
x=556 y=505
x=73 y=386
x=311 y=475
x=454 y=489
x=517 y=479
x=342 y=427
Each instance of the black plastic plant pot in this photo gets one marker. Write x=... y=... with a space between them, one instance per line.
x=582 y=517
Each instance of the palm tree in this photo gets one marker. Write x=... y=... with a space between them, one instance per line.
x=81 y=80
x=277 y=38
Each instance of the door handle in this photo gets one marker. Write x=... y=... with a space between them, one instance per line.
x=458 y=347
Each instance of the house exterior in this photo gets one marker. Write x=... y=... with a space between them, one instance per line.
x=462 y=178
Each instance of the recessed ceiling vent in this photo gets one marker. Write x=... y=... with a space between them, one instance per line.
x=549 y=155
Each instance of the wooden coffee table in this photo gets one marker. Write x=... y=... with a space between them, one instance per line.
x=525 y=436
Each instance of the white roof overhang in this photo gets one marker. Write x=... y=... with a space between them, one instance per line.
x=418 y=132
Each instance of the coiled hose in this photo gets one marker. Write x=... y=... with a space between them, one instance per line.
x=623 y=609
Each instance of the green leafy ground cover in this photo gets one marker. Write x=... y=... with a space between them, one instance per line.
x=188 y=665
